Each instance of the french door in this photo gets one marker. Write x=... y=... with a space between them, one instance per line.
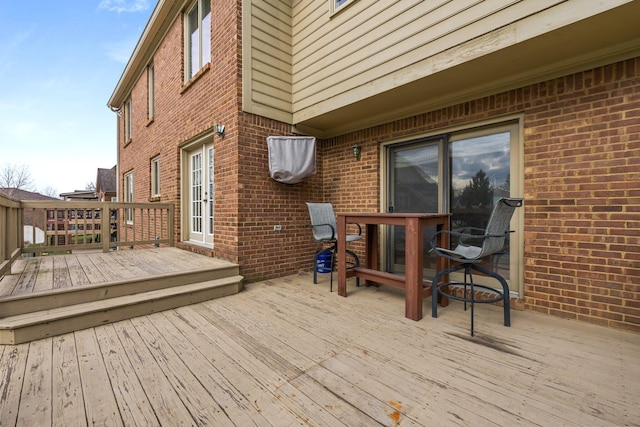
x=201 y=195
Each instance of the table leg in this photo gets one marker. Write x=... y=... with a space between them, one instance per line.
x=371 y=249
x=414 y=245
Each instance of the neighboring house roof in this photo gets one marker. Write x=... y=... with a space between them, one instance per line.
x=80 y=195
x=106 y=180
x=18 y=194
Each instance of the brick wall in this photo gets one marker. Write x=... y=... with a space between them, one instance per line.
x=581 y=149
x=248 y=202
x=265 y=203
x=581 y=180
x=582 y=176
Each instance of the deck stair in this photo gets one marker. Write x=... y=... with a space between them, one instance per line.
x=28 y=317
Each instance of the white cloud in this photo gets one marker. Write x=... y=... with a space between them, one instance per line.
x=121 y=52
x=124 y=5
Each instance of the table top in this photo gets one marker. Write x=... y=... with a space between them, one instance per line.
x=395 y=214
x=395 y=218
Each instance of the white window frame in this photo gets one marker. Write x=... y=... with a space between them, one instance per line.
x=128 y=195
x=155 y=176
x=338 y=5
x=151 y=109
x=203 y=39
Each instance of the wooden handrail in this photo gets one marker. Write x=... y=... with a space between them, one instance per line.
x=10 y=232
x=65 y=226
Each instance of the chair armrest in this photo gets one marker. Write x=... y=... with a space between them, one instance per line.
x=333 y=231
x=357 y=225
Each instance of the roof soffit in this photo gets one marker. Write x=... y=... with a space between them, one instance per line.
x=162 y=17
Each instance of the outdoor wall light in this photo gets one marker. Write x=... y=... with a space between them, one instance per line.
x=220 y=130
x=357 y=151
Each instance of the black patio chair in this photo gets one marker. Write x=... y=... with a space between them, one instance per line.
x=324 y=228
x=472 y=247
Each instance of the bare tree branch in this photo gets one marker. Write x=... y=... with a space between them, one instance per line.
x=14 y=176
x=51 y=192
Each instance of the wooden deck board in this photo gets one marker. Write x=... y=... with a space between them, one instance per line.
x=88 y=264
x=68 y=401
x=82 y=268
x=204 y=367
x=36 y=397
x=286 y=352
x=12 y=371
x=100 y=401
x=27 y=279
x=127 y=389
x=77 y=274
x=43 y=280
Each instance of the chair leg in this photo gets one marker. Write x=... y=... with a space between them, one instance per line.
x=505 y=292
x=473 y=295
x=315 y=267
x=435 y=287
x=315 y=264
x=333 y=259
x=470 y=297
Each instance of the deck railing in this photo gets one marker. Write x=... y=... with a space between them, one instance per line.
x=52 y=227
x=10 y=232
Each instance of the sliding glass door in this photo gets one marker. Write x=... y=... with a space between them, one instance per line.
x=463 y=173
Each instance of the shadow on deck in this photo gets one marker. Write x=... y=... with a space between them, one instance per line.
x=47 y=296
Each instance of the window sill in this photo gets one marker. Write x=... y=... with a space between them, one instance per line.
x=127 y=142
x=196 y=77
x=150 y=121
x=156 y=198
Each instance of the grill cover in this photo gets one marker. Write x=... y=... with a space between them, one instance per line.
x=292 y=159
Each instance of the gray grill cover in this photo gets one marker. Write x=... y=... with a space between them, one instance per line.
x=292 y=159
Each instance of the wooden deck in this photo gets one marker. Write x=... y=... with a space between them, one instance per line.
x=48 y=296
x=32 y=275
x=287 y=353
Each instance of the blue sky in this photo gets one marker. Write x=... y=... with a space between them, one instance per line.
x=59 y=63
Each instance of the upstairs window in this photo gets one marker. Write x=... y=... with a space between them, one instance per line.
x=155 y=177
x=128 y=196
x=127 y=121
x=197 y=37
x=151 y=92
x=337 y=5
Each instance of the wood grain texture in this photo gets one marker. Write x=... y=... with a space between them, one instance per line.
x=286 y=352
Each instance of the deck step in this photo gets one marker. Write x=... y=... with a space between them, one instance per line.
x=36 y=301
x=30 y=326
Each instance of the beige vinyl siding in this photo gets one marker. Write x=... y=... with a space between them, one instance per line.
x=267 y=52
x=371 y=41
x=376 y=46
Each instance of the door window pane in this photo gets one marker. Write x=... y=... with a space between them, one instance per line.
x=196 y=193
x=414 y=172
x=480 y=175
x=210 y=196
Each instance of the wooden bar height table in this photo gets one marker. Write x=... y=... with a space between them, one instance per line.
x=416 y=288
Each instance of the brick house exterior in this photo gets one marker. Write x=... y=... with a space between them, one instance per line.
x=580 y=148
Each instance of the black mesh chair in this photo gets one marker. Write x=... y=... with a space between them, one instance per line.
x=472 y=247
x=324 y=226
